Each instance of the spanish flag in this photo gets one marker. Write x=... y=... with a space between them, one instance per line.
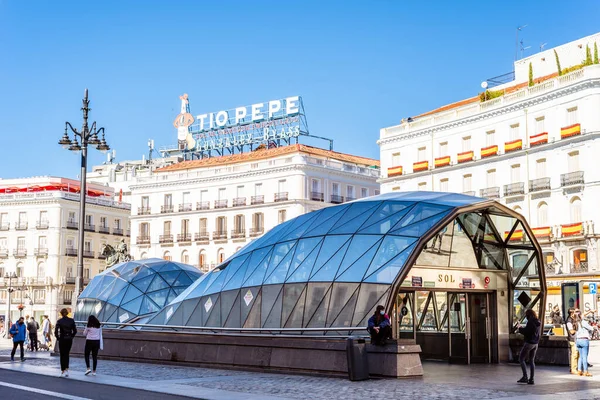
x=568 y=131
x=442 y=161
x=489 y=151
x=542 y=232
x=466 y=156
x=542 y=138
x=420 y=166
x=517 y=235
x=572 y=229
x=514 y=145
x=394 y=171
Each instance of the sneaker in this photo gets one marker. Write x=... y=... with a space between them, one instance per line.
x=66 y=374
x=22 y=359
x=88 y=371
x=530 y=382
x=12 y=359
x=587 y=374
x=93 y=374
x=523 y=380
x=62 y=374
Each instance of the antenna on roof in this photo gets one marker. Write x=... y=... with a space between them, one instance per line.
x=519 y=28
x=542 y=46
x=523 y=48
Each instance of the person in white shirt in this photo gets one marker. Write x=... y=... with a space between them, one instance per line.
x=93 y=343
x=582 y=340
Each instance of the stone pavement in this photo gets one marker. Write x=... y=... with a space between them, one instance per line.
x=441 y=381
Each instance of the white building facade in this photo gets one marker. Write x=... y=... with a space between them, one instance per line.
x=533 y=148
x=39 y=240
x=200 y=212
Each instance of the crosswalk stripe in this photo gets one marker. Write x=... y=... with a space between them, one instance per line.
x=41 y=391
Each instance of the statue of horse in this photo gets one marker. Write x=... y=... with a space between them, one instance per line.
x=114 y=256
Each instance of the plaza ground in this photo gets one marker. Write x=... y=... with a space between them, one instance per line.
x=118 y=379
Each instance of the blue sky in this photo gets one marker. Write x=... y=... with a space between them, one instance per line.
x=359 y=65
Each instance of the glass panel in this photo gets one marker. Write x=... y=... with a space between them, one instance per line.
x=235 y=281
x=131 y=294
x=233 y=266
x=390 y=271
x=492 y=256
x=295 y=318
x=387 y=209
x=330 y=257
x=143 y=284
x=356 y=271
x=172 y=296
x=117 y=298
x=157 y=284
x=420 y=212
x=458 y=312
x=233 y=319
x=279 y=253
x=318 y=318
x=519 y=236
x=321 y=227
x=437 y=251
x=369 y=296
x=170 y=266
x=183 y=280
x=274 y=318
x=253 y=317
x=462 y=254
x=503 y=223
x=217 y=285
x=405 y=315
x=517 y=260
x=344 y=318
x=170 y=276
x=227 y=300
x=118 y=286
x=354 y=217
x=340 y=294
x=441 y=308
x=133 y=306
x=418 y=229
x=279 y=274
x=270 y=293
x=302 y=273
x=303 y=249
x=291 y=294
x=360 y=245
x=301 y=224
x=256 y=259
x=316 y=293
x=425 y=311
x=470 y=222
x=159 y=297
x=148 y=307
x=214 y=318
x=249 y=297
x=390 y=248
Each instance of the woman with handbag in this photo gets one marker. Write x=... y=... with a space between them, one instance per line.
x=93 y=343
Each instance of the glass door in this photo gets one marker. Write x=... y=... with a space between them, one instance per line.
x=479 y=329
x=406 y=315
x=470 y=327
x=458 y=328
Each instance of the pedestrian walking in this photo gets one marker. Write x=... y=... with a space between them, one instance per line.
x=93 y=343
x=573 y=352
x=582 y=341
x=18 y=331
x=46 y=332
x=531 y=333
x=65 y=330
x=32 y=328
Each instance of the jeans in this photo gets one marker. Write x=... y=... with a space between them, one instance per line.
x=379 y=337
x=91 y=346
x=583 y=345
x=528 y=352
x=14 y=350
x=574 y=356
x=64 y=347
x=34 y=341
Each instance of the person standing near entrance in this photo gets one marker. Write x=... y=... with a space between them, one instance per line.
x=574 y=353
x=379 y=326
x=32 y=328
x=531 y=333
x=18 y=332
x=65 y=331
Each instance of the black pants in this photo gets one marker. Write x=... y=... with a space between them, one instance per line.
x=14 y=350
x=91 y=346
x=33 y=341
x=379 y=337
x=64 y=347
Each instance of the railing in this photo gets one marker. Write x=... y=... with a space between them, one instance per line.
x=337 y=199
x=220 y=203
x=42 y=225
x=184 y=237
x=203 y=205
x=550 y=269
x=101 y=256
x=103 y=229
x=239 y=201
x=142 y=240
x=571 y=178
x=581 y=267
x=490 y=193
x=281 y=196
x=70 y=280
x=143 y=210
x=70 y=251
x=257 y=231
x=40 y=252
x=317 y=196
x=118 y=231
x=469 y=193
x=88 y=254
x=3 y=253
x=514 y=189
x=350 y=198
x=128 y=232
x=20 y=253
x=238 y=233
x=89 y=227
x=167 y=208
x=218 y=235
x=185 y=207
x=21 y=226
x=67 y=301
x=203 y=267
x=257 y=199
x=537 y=185
x=201 y=236
x=162 y=239
x=5 y=226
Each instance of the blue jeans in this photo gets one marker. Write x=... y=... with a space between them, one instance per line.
x=528 y=353
x=583 y=346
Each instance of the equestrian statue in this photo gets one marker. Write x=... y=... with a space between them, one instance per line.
x=114 y=256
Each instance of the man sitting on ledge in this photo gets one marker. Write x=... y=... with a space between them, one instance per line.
x=379 y=327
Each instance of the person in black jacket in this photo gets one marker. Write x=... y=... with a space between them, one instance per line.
x=65 y=331
x=531 y=333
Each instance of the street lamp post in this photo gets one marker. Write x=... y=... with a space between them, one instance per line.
x=9 y=290
x=87 y=136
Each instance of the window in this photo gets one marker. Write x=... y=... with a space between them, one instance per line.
x=540 y=168
x=20 y=270
x=514 y=132
x=491 y=178
x=167 y=256
x=144 y=256
x=222 y=194
x=281 y=216
x=258 y=189
x=421 y=155
x=221 y=224
x=44 y=216
x=239 y=224
x=443 y=150
x=87 y=246
x=239 y=191
x=377 y=192
x=4 y=219
x=21 y=243
x=335 y=189
x=542 y=214
x=490 y=139
x=254 y=165
x=444 y=185
x=576 y=210
x=466 y=143
x=185 y=257
x=467 y=183
x=364 y=192
x=422 y=186
x=540 y=125
x=117 y=223
x=145 y=229
x=258 y=221
x=203 y=195
x=572 y=117
x=316 y=185
x=574 y=161
x=86 y=272
x=3 y=243
x=69 y=271
x=185 y=226
x=89 y=219
x=515 y=173
x=42 y=242
x=350 y=192
x=103 y=222
x=168 y=200
x=396 y=189
x=167 y=228
x=282 y=186
x=145 y=202
x=202 y=261
x=202 y=225
x=70 y=243
x=220 y=256
x=395 y=159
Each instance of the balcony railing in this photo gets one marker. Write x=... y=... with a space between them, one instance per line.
x=239 y=201
x=281 y=196
x=490 y=193
x=257 y=199
x=5 y=226
x=184 y=237
x=118 y=231
x=167 y=208
x=218 y=235
x=70 y=251
x=317 y=196
x=21 y=225
x=220 y=203
x=185 y=207
x=540 y=184
x=128 y=232
x=571 y=178
x=257 y=231
x=42 y=225
x=514 y=189
x=469 y=193
x=165 y=239
x=88 y=254
x=337 y=199
x=142 y=240
x=20 y=253
x=580 y=267
x=89 y=227
x=103 y=229
x=101 y=256
x=40 y=252
x=72 y=225
x=238 y=233
x=3 y=253
x=201 y=237
x=203 y=205
x=143 y=210
x=70 y=280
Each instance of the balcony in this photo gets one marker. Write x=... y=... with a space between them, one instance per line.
x=70 y=280
x=3 y=253
x=257 y=231
x=220 y=203
x=184 y=238
x=167 y=208
x=4 y=226
x=579 y=268
x=257 y=200
x=514 y=189
x=21 y=225
x=71 y=251
x=201 y=236
x=72 y=224
x=20 y=253
x=469 y=193
x=128 y=232
x=490 y=193
x=571 y=179
x=101 y=256
x=218 y=235
x=42 y=225
x=142 y=240
x=539 y=185
x=89 y=227
x=88 y=254
x=282 y=196
x=185 y=207
x=143 y=210
x=203 y=205
x=165 y=239
x=118 y=231
x=317 y=196
x=104 y=229
x=40 y=252
x=239 y=201
x=337 y=199
x=238 y=233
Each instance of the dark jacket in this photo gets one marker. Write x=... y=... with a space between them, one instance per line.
x=18 y=331
x=385 y=321
x=33 y=327
x=556 y=318
x=569 y=336
x=531 y=331
x=65 y=329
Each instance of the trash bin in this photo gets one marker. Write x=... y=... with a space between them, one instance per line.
x=358 y=362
